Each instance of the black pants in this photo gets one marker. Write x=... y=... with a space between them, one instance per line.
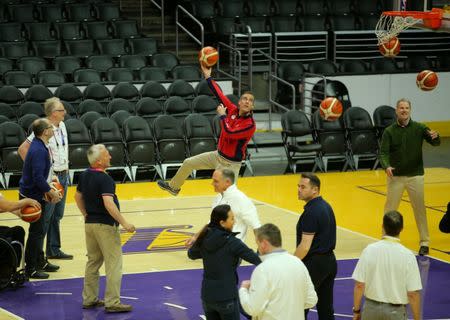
x=16 y=233
x=34 y=249
x=322 y=270
x=222 y=310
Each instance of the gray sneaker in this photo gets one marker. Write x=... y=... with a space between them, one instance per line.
x=166 y=187
x=119 y=308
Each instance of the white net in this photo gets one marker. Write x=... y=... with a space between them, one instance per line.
x=390 y=26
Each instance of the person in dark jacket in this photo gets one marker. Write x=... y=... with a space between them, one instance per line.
x=444 y=225
x=221 y=252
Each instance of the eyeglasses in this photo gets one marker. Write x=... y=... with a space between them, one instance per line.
x=60 y=110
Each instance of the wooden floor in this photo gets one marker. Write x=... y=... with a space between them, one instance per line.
x=164 y=222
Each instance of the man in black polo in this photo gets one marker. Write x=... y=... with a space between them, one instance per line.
x=316 y=240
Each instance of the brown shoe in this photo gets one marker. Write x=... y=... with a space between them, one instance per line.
x=98 y=303
x=119 y=308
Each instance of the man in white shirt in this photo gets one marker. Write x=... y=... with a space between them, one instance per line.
x=245 y=214
x=58 y=146
x=388 y=276
x=280 y=287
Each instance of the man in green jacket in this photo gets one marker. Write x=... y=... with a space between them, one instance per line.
x=401 y=157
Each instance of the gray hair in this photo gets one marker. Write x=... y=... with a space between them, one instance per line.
x=403 y=100
x=94 y=152
x=40 y=125
x=227 y=174
x=50 y=105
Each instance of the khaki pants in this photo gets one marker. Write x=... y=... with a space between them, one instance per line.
x=206 y=160
x=415 y=189
x=103 y=244
x=374 y=310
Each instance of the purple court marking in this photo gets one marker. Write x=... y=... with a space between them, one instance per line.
x=151 y=294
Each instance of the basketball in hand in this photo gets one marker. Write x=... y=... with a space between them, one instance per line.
x=30 y=214
x=208 y=56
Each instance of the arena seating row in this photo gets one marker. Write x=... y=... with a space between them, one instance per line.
x=96 y=68
x=69 y=92
x=351 y=138
x=46 y=11
x=133 y=143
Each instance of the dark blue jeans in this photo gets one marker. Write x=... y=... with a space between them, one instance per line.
x=222 y=310
x=53 y=215
x=34 y=253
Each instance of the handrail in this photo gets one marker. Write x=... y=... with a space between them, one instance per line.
x=304 y=82
x=160 y=7
x=238 y=78
x=201 y=42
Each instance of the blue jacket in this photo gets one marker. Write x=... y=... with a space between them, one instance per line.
x=36 y=168
x=221 y=252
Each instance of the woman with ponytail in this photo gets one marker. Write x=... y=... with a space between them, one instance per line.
x=221 y=252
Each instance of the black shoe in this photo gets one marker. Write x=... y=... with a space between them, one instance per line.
x=61 y=256
x=37 y=275
x=423 y=250
x=165 y=186
x=49 y=267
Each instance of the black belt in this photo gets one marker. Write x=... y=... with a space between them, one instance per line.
x=59 y=172
x=391 y=304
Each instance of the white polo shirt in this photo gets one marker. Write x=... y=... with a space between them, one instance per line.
x=280 y=288
x=388 y=270
x=245 y=214
x=58 y=146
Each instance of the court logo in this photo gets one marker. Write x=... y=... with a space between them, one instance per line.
x=155 y=239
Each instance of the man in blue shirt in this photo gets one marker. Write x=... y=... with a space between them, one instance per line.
x=97 y=200
x=34 y=184
x=316 y=240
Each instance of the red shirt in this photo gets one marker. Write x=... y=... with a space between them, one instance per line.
x=236 y=130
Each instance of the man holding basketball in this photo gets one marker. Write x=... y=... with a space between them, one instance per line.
x=401 y=157
x=237 y=126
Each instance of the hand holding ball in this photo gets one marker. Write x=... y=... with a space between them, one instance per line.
x=208 y=56
x=30 y=214
x=57 y=187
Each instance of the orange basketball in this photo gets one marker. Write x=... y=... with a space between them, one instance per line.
x=208 y=56
x=57 y=187
x=330 y=109
x=427 y=80
x=390 y=48
x=30 y=214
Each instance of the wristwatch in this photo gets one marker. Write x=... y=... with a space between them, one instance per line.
x=356 y=311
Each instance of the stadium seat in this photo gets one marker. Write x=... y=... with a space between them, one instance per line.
x=68 y=30
x=106 y=11
x=15 y=49
x=5 y=65
x=153 y=90
x=256 y=24
x=23 y=12
x=384 y=65
x=314 y=23
x=353 y=66
x=296 y=127
x=287 y=7
x=141 y=146
x=86 y=76
x=79 y=12
x=315 y=8
x=67 y=65
x=417 y=63
x=199 y=135
x=170 y=143
x=90 y=105
x=7 y=111
x=383 y=117
x=259 y=8
x=322 y=67
x=112 y=47
x=344 y=23
x=143 y=46
x=70 y=93
x=51 y=12
x=119 y=74
x=17 y=78
x=124 y=29
x=361 y=136
x=11 y=95
x=107 y=132
x=165 y=60
x=12 y=137
x=132 y=61
x=97 y=91
x=11 y=31
x=79 y=143
x=97 y=30
x=125 y=90
x=101 y=63
x=119 y=117
x=47 y=49
x=30 y=107
x=181 y=88
x=32 y=65
x=26 y=121
x=90 y=117
x=186 y=72
x=148 y=108
x=38 y=93
x=80 y=48
x=177 y=107
x=291 y=72
x=284 y=24
x=231 y=8
x=202 y=88
x=38 y=31
x=50 y=77
x=331 y=135
x=205 y=105
x=117 y=104
x=152 y=73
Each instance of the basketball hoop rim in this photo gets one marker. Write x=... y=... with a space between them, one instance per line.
x=435 y=13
